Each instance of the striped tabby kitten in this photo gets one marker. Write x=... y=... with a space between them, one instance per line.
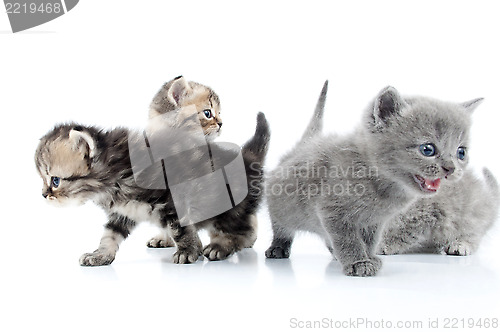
x=346 y=188
x=190 y=103
x=193 y=107
x=79 y=163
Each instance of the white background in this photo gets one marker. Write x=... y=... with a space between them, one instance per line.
x=102 y=63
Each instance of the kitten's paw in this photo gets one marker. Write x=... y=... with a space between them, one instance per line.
x=97 y=258
x=277 y=252
x=185 y=256
x=459 y=249
x=362 y=269
x=160 y=241
x=389 y=249
x=216 y=252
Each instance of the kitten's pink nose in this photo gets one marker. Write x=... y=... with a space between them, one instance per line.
x=220 y=124
x=45 y=194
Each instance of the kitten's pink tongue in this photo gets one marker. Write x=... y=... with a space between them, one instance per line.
x=432 y=184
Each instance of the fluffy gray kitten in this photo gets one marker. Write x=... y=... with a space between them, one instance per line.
x=346 y=188
x=453 y=222
x=78 y=164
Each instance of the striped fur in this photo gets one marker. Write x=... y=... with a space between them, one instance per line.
x=102 y=172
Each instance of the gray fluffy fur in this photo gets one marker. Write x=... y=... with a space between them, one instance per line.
x=382 y=160
x=453 y=222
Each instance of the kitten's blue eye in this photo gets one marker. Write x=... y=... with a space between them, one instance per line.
x=208 y=114
x=428 y=149
x=461 y=153
x=55 y=181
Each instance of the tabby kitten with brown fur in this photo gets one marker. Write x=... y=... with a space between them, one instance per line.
x=78 y=164
x=193 y=107
x=180 y=103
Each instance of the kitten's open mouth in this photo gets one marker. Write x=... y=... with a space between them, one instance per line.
x=430 y=186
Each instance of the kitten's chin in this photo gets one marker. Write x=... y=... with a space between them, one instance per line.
x=64 y=202
x=212 y=135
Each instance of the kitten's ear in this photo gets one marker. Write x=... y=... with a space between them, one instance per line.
x=83 y=139
x=388 y=104
x=471 y=105
x=178 y=90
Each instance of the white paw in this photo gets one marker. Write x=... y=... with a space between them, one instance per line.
x=459 y=249
x=160 y=241
x=186 y=256
x=97 y=258
x=216 y=252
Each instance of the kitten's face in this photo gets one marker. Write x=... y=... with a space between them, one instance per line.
x=63 y=164
x=208 y=108
x=420 y=142
x=180 y=94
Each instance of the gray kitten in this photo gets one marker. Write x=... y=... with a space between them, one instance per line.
x=346 y=188
x=453 y=222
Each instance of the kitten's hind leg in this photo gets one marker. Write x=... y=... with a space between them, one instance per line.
x=329 y=246
x=223 y=245
x=228 y=236
x=282 y=242
x=252 y=237
x=280 y=248
x=162 y=240
x=116 y=230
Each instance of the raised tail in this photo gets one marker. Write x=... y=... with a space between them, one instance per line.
x=256 y=148
x=316 y=124
x=491 y=182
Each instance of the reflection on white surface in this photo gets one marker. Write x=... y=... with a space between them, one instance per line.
x=144 y=289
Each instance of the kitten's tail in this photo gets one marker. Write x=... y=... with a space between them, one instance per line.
x=316 y=124
x=491 y=182
x=256 y=148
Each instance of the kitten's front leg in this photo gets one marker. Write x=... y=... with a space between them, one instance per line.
x=187 y=241
x=458 y=242
x=459 y=248
x=372 y=236
x=116 y=230
x=350 y=248
x=402 y=235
